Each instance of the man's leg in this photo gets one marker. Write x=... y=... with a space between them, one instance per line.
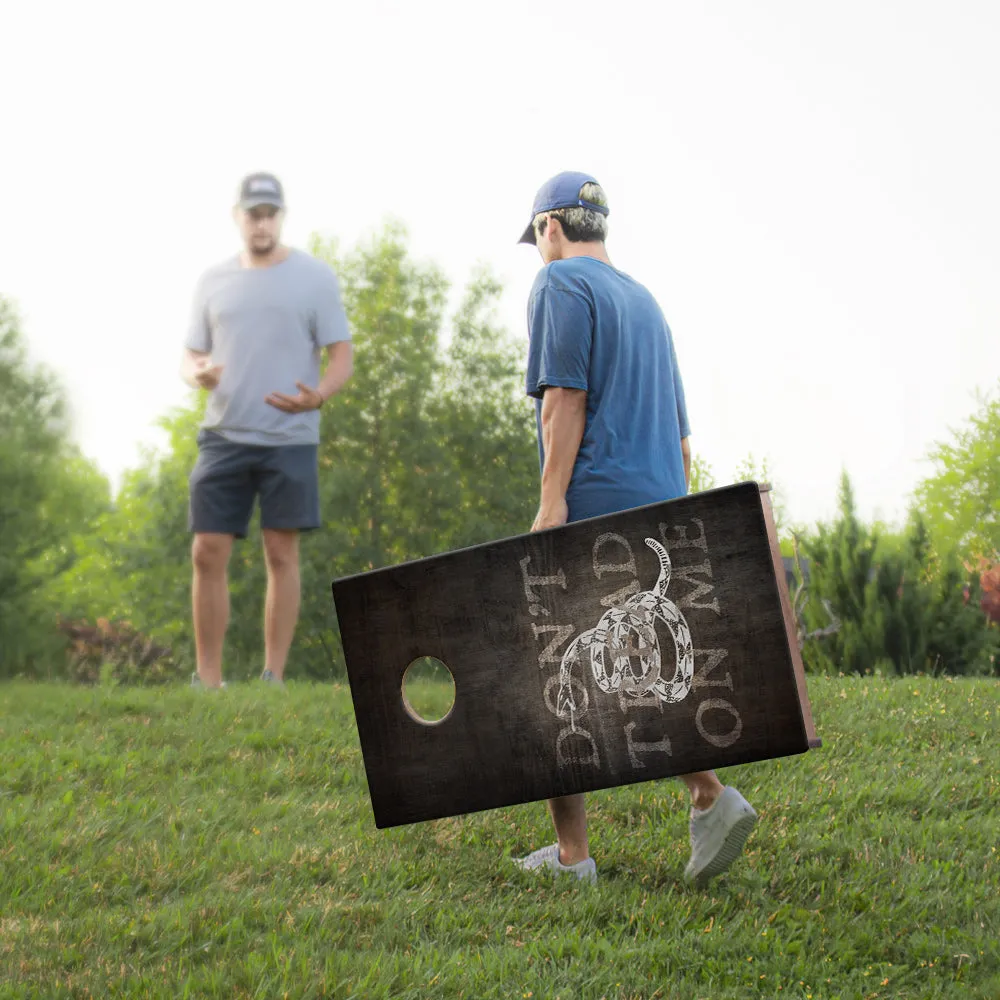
x=569 y=816
x=210 y=602
x=288 y=480
x=704 y=787
x=721 y=821
x=281 y=610
x=570 y=855
x=219 y=508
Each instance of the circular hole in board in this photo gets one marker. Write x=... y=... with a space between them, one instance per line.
x=428 y=690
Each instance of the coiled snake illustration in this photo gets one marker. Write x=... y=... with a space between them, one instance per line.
x=626 y=632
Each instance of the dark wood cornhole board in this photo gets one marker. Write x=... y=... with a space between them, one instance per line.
x=575 y=668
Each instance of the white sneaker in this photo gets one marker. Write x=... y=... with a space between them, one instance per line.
x=718 y=834
x=548 y=857
x=196 y=683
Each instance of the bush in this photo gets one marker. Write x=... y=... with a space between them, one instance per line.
x=899 y=604
x=116 y=652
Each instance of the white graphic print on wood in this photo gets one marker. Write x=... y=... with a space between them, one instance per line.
x=627 y=633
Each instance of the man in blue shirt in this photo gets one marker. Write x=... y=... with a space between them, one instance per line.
x=612 y=434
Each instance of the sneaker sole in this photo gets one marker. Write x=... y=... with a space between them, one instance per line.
x=731 y=848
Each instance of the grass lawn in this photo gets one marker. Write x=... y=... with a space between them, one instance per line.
x=191 y=844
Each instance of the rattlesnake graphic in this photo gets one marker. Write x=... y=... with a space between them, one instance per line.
x=614 y=640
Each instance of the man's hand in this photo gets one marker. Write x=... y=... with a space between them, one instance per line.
x=307 y=399
x=206 y=374
x=551 y=514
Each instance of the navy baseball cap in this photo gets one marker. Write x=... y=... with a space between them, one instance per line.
x=261 y=189
x=561 y=191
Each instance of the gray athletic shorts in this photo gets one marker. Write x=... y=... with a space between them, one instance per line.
x=229 y=477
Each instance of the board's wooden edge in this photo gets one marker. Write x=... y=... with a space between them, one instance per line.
x=786 y=608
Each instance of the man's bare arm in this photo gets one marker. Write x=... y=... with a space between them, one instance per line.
x=197 y=371
x=686 y=453
x=339 y=368
x=564 y=416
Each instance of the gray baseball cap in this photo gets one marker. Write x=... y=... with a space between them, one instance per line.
x=261 y=189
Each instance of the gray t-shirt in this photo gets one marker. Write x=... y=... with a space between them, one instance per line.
x=267 y=327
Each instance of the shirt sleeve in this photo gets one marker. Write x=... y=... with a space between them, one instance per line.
x=199 y=334
x=329 y=318
x=682 y=415
x=561 y=327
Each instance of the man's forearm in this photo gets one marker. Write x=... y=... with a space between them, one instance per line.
x=564 y=416
x=686 y=454
x=338 y=370
x=188 y=362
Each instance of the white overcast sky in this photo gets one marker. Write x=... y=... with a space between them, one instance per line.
x=810 y=190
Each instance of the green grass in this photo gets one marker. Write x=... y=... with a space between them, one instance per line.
x=193 y=844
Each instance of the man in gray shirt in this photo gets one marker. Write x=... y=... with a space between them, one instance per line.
x=259 y=325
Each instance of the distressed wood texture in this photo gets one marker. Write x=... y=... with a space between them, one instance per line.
x=625 y=648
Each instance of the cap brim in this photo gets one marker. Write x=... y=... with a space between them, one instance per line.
x=262 y=200
x=528 y=236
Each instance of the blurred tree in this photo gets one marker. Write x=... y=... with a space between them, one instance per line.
x=750 y=470
x=702 y=477
x=50 y=492
x=899 y=609
x=961 y=500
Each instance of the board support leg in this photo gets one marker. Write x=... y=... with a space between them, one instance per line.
x=786 y=608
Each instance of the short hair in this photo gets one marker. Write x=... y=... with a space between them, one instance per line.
x=580 y=224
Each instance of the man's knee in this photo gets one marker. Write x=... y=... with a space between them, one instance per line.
x=210 y=552
x=281 y=551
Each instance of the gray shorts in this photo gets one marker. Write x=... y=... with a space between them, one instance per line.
x=229 y=477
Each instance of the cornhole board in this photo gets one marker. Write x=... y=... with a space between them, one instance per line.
x=625 y=648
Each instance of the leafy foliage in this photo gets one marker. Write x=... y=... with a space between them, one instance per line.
x=749 y=470
x=135 y=565
x=900 y=609
x=115 y=652
x=50 y=493
x=702 y=476
x=752 y=470
x=989 y=586
x=961 y=501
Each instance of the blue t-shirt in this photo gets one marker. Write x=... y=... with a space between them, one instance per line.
x=593 y=327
